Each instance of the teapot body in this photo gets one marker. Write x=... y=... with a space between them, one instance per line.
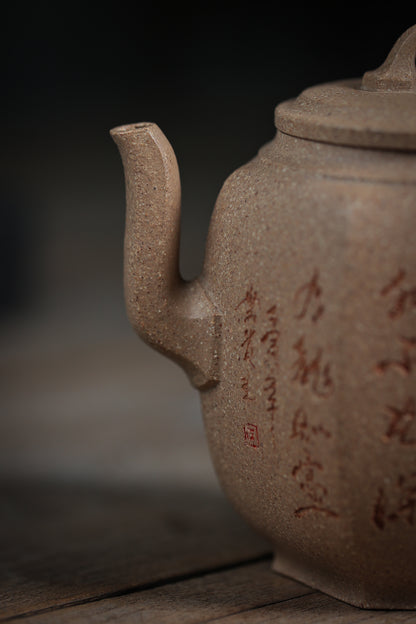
x=311 y=264
x=301 y=331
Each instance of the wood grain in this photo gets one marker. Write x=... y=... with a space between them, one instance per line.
x=201 y=599
x=316 y=608
x=249 y=593
x=64 y=543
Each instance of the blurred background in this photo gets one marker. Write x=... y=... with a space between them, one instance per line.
x=82 y=397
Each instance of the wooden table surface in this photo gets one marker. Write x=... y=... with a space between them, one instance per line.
x=145 y=554
x=109 y=508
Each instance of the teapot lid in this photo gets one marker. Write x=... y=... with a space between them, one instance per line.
x=378 y=111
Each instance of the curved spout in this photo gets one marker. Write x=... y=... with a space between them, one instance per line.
x=174 y=316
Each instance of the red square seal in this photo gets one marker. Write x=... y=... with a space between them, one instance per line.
x=251 y=435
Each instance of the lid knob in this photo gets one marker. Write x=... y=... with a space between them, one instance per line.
x=398 y=72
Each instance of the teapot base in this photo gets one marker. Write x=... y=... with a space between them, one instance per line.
x=359 y=594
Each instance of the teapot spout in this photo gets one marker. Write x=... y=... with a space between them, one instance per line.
x=175 y=317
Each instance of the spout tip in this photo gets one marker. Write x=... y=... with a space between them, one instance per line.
x=136 y=128
x=142 y=135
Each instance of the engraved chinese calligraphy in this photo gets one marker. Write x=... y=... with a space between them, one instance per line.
x=303 y=430
x=249 y=304
x=308 y=296
x=395 y=498
x=402 y=425
x=271 y=337
x=402 y=296
x=309 y=471
x=245 y=387
x=312 y=371
x=396 y=501
x=259 y=342
x=270 y=341
x=402 y=299
x=403 y=363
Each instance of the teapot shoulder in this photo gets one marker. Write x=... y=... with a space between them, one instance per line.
x=258 y=176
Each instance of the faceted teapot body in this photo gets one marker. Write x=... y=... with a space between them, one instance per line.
x=312 y=427
x=301 y=331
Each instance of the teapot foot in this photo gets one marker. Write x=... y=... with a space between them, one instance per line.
x=358 y=592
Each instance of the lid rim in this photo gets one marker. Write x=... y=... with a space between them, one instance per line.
x=342 y=113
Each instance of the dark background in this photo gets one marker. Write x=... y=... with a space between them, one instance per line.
x=210 y=76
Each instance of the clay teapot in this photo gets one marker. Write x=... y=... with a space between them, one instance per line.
x=301 y=331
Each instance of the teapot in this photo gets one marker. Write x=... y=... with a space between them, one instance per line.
x=300 y=333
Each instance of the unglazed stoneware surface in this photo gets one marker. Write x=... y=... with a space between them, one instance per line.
x=301 y=331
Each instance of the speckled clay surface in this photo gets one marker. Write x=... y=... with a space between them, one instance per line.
x=301 y=331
